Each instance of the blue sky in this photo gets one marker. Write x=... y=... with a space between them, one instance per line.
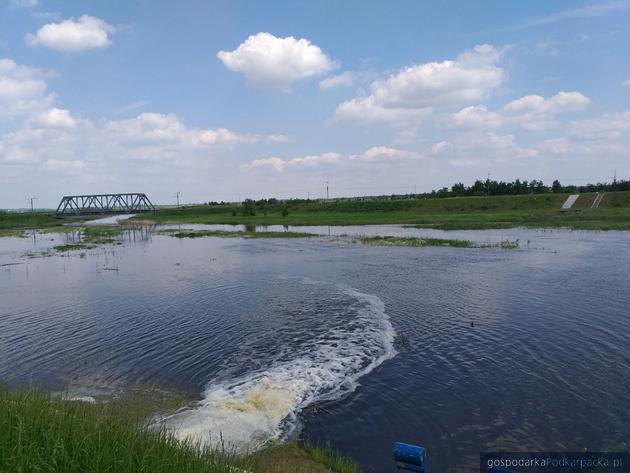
x=229 y=100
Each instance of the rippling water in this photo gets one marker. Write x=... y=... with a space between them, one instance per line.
x=358 y=345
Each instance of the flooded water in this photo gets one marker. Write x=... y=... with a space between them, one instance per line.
x=335 y=341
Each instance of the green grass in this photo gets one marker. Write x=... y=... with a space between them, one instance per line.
x=235 y=234
x=39 y=433
x=415 y=241
x=17 y=221
x=101 y=234
x=418 y=241
x=330 y=457
x=44 y=433
x=91 y=237
x=535 y=210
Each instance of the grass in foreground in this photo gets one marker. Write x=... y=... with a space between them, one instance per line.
x=330 y=457
x=39 y=432
x=235 y=234
x=415 y=241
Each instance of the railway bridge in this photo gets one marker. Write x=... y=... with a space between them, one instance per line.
x=74 y=205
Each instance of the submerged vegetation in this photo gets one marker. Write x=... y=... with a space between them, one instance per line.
x=90 y=237
x=41 y=432
x=417 y=241
x=234 y=234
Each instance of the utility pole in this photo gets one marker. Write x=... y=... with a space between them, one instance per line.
x=488 y=184
x=327 y=195
x=178 y=197
x=32 y=199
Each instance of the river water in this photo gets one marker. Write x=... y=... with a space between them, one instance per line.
x=334 y=341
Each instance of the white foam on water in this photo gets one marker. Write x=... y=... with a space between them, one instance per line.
x=244 y=413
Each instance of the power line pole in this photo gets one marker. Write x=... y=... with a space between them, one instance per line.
x=32 y=208
x=327 y=195
x=488 y=186
x=178 y=197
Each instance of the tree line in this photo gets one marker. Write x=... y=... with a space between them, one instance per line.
x=518 y=187
x=480 y=187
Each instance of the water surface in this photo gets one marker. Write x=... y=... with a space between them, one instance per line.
x=336 y=341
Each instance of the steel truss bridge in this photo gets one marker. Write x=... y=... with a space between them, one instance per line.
x=73 y=205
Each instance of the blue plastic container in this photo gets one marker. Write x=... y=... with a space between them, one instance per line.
x=410 y=457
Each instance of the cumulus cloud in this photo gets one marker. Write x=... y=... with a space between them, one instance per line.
x=54 y=118
x=476 y=116
x=416 y=90
x=381 y=153
x=473 y=148
x=54 y=139
x=280 y=164
x=608 y=126
x=73 y=35
x=269 y=61
x=534 y=112
x=345 y=79
x=168 y=129
x=273 y=162
x=23 y=90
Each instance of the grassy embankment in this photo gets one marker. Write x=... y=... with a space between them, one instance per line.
x=15 y=223
x=535 y=210
x=39 y=432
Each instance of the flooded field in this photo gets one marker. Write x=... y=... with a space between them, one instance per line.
x=456 y=349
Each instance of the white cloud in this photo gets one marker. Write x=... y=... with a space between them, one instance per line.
x=23 y=90
x=606 y=127
x=626 y=82
x=474 y=148
x=380 y=153
x=345 y=79
x=73 y=35
x=476 y=116
x=167 y=129
x=54 y=118
x=534 y=112
x=416 y=90
x=65 y=166
x=556 y=146
x=280 y=164
x=274 y=162
x=269 y=61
